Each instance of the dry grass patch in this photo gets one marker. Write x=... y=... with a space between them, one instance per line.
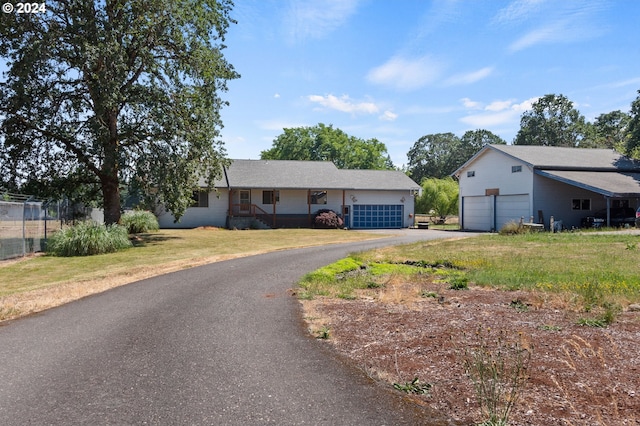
x=41 y=282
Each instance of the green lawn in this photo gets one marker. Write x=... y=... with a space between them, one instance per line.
x=595 y=268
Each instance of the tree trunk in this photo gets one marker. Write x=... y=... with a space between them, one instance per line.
x=110 y=168
x=111 y=198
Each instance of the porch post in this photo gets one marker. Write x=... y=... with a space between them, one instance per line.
x=344 y=219
x=309 y=206
x=274 y=207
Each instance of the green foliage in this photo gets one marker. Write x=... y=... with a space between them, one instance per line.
x=330 y=272
x=458 y=281
x=139 y=221
x=552 y=121
x=122 y=91
x=592 y=322
x=611 y=130
x=519 y=305
x=438 y=155
x=439 y=197
x=323 y=333
x=434 y=155
x=633 y=138
x=414 y=387
x=324 y=143
x=87 y=239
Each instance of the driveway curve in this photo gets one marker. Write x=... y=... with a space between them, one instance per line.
x=221 y=344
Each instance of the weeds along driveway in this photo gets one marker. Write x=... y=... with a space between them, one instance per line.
x=218 y=344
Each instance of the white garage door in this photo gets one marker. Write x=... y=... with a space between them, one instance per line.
x=511 y=208
x=377 y=216
x=477 y=213
x=480 y=214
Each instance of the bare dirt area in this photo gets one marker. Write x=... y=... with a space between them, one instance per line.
x=577 y=375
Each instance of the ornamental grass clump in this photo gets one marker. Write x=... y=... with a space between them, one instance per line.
x=88 y=238
x=139 y=222
x=498 y=369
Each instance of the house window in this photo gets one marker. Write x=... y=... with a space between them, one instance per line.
x=318 y=197
x=471 y=173
x=581 y=204
x=200 y=198
x=270 y=197
x=516 y=169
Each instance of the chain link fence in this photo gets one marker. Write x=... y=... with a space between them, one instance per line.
x=25 y=223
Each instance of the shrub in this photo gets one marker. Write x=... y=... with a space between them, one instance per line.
x=512 y=228
x=139 y=221
x=88 y=238
x=328 y=219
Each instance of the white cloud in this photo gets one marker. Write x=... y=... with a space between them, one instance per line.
x=276 y=96
x=344 y=104
x=554 y=22
x=498 y=113
x=406 y=74
x=537 y=36
x=518 y=11
x=469 y=78
x=499 y=105
x=468 y=103
x=388 y=116
x=317 y=18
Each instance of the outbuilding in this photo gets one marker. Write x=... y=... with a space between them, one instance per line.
x=504 y=183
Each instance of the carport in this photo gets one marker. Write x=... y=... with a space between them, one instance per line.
x=611 y=185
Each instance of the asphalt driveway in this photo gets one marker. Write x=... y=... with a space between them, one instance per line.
x=222 y=344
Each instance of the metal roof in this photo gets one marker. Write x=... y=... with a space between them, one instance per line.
x=290 y=174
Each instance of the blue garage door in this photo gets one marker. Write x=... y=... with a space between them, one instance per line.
x=377 y=216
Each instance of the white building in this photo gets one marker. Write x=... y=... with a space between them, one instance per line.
x=280 y=193
x=504 y=183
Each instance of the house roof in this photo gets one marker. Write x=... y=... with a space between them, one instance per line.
x=603 y=171
x=609 y=184
x=564 y=158
x=290 y=174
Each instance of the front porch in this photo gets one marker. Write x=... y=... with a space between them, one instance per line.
x=280 y=208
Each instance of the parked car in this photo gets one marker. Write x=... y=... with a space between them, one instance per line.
x=638 y=218
x=620 y=217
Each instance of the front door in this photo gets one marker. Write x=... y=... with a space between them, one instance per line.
x=245 y=201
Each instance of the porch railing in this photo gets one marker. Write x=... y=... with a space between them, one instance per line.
x=253 y=210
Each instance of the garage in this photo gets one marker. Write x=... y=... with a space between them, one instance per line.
x=510 y=208
x=371 y=216
x=490 y=212
x=477 y=213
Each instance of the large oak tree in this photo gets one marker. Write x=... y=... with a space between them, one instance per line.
x=438 y=155
x=115 y=91
x=552 y=121
x=324 y=143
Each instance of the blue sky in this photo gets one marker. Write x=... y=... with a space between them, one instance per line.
x=396 y=70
